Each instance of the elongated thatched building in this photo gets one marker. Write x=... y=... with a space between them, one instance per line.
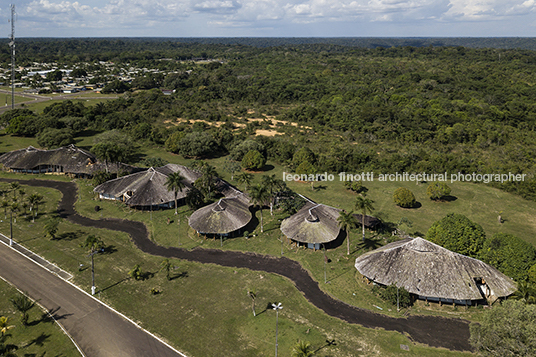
x=224 y=217
x=314 y=224
x=432 y=272
x=147 y=188
x=68 y=160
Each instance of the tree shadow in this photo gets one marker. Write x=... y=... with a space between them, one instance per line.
x=114 y=284
x=449 y=198
x=268 y=167
x=146 y=275
x=69 y=236
x=369 y=244
x=320 y=188
x=109 y=250
x=181 y=275
x=329 y=343
x=39 y=340
x=45 y=318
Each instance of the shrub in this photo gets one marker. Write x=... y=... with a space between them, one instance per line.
x=390 y=294
x=437 y=190
x=136 y=273
x=404 y=197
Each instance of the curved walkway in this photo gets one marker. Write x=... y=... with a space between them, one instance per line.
x=430 y=330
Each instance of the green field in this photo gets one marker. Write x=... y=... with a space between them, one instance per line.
x=213 y=298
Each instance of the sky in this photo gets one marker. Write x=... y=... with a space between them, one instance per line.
x=270 y=18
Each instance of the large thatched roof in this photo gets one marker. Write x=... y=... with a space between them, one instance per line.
x=67 y=159
x=222 y=217
x=427 y=269
x=148 y=187
x=313 y=223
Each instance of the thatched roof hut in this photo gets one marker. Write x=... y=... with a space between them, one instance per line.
x=227 y=215
x=69 y=160
x=147 y=188
x=313 y=224
x=433 y=272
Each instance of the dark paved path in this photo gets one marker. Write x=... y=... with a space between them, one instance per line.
x=431 y=330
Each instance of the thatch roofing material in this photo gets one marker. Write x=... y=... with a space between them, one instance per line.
x=222 y=217
x=148 y=187
x=313 y=223
x=71 y=158
x=427 y=269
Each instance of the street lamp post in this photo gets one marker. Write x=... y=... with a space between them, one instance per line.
x=11 y=229
x=93 y=269
x=276 y=308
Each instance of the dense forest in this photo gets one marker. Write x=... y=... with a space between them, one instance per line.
x=361 y=108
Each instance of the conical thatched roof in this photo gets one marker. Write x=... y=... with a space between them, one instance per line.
x=427 y=269
x=222 y=217
x=148 y=187
x=313 y=223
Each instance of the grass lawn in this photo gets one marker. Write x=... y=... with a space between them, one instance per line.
x=42 y=335
x=203 y=300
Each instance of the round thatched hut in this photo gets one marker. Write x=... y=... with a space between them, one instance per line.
x=314 y=224
x=431 y=272
x=224 y=217
x=147 y=189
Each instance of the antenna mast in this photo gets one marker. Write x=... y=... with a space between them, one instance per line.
x=12 y=45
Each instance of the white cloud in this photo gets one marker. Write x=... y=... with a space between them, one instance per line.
x=488 y=9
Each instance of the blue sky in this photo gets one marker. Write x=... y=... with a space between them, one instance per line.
x=271 y=18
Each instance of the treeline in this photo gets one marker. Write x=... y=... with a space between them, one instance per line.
x=412 y=109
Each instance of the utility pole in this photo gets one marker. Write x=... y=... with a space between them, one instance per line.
x=12 y=45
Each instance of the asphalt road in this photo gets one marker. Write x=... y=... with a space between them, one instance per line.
x=97 y=330
x=430 y=330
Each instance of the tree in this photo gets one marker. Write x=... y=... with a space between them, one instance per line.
x=510 y=254
x=273 y=185
x=166 y=266
x=347 y=221
x=14 y=187
x=33 y=201
x=302 y=349
x=93 y=244
x=437 y=190
x=457 y=233
x=194 y=198
x=307 y=169
x=116 y=86
x=531 y=274
x=253 y=160
x=238 y=152
x=526 y=292
x=113 y=146
x=364 y=205
x=207 y=182
x=136 y=273
x=258 y=196
x=4 y=204
x=245 y=178
x=198 y=144
x=54 y=138
x=174 y=183
x=506 y=330
x=51 y=227
x=23 y=304
x=404 y=197
x=231 y=167
x=15 y=207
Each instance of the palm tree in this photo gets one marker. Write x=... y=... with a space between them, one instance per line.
x=174 y=183
x=33 y=200
x=259 y=195
x=14 y=209
x=21 y=194
x=525 y=292
x=245 y=178
x=302 y=349
x=14 y=187
x=51 y=227
x=23 y=304
x=273 y=185
x=208 y=178
x=364 y=205
x=166 y=266
x=4 y=325
x=5 y=205
x=346 y=221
